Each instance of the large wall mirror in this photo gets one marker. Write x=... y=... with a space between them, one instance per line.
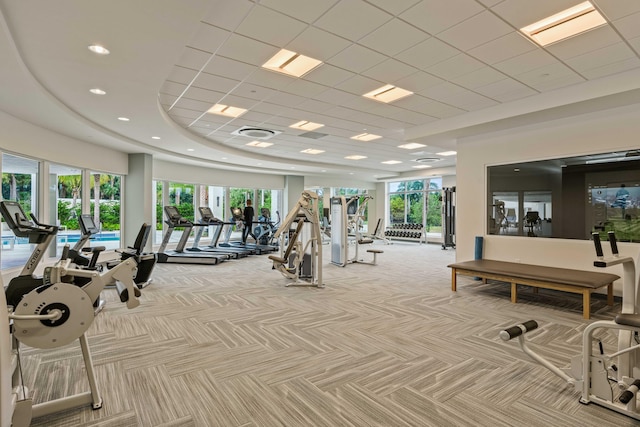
x=568 y=198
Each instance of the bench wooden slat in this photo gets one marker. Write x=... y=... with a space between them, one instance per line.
x=560 y=279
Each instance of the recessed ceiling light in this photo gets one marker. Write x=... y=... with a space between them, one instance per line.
x=366 y=137
x=355 y=157
x=350 y=173
x=226 y=110
x=421 y=166
x=97 y=91
x=516 y=169
x=259 y=144
x=323 y=170
x=312 y=151
x=411 y=146
x=570 y=22
x=100 y=50
x=123 y=119
x=306 y=125
x=391 y=162
x=155 y=137
x=387 y=93
x=291 y=63
x=190 y=149
x=447 y=153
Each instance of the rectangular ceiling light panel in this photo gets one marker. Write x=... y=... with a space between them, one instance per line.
x=391 y=162
x=226 y=110
x=568 y=23
x=259 y=144
x=366 y=137
x=355 y=157
x=447 y=153
x=387 y=93
x=306 y=125
x=291 y=63
x=411 y=146
x=312 y=151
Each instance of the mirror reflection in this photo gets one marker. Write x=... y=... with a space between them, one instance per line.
x=567 y=198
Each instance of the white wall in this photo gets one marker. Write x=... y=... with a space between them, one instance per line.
x=179 y=172
x=588 y=134
x=23 y=138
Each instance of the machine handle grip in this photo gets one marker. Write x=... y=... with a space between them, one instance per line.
x=597 y=244
x=517 y=330
x=613 y=242
x=629 y=393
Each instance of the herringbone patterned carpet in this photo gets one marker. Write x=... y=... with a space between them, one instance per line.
x=386 y=345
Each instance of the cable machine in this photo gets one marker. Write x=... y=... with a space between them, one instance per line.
x=449 y=217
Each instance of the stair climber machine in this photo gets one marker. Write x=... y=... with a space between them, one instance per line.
x=145 y=261
x=207 y=219
x=178 y=255
x=300 y=258
x=609 y=380
x=49 y=312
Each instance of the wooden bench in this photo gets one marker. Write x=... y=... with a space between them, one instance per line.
x=537 y=276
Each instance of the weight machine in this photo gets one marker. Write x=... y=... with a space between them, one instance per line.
x=593 y=374
x=349 y=215
x=300 y=256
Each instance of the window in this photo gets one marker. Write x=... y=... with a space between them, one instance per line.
x=417 y=202
x=20 y=184
x=105 y=207
x=68 y=199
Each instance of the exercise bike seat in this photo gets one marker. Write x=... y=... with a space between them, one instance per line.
x=628 y=320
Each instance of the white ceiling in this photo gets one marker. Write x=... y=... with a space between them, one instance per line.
x=466 y=62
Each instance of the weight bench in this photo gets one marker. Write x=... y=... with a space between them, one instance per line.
x=537 y=276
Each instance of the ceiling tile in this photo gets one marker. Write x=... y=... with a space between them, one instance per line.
x=359 y=85
x=260 y=22
x=427 y=53
x=174 y=89
x=586 y=42
x=304 y=10
x=506 y=90
x=318 y=44
x=600 y=57
x=529 y=61
x=480 y=77
x=456 y=66
x=614 y=68
x=356 y=59
x=394 y=7
x=209 y=81
x=352 y=19
x=629 y=26
x=543 y=75
x=192 y=104
x=247 y=50
x=328 y=75
x=181 y=75
x=419 y=81
x=390 y=71
x=616 y=9
x=269 y=79
x=435 y=16
x=503 y=48
x=521 y=14
x=228 y=14
x=393 y=37
x=252 y=91
x=208 y=38
x=334 y=96
x=312 y=105
x=193 y=58
x=229 y=68
x=284 y=98
x=479 y=29
x=305 y=88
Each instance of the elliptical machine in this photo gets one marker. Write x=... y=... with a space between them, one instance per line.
x=593 y=374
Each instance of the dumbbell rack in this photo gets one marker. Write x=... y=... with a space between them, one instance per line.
x=406 y=231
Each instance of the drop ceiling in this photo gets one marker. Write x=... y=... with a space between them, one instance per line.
x=468 y=66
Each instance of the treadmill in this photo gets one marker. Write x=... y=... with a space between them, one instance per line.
x=208 y=219
x=237 y=215
x=178 y=255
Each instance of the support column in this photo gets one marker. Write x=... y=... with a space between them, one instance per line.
x=293 y=187
x=138 y=197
